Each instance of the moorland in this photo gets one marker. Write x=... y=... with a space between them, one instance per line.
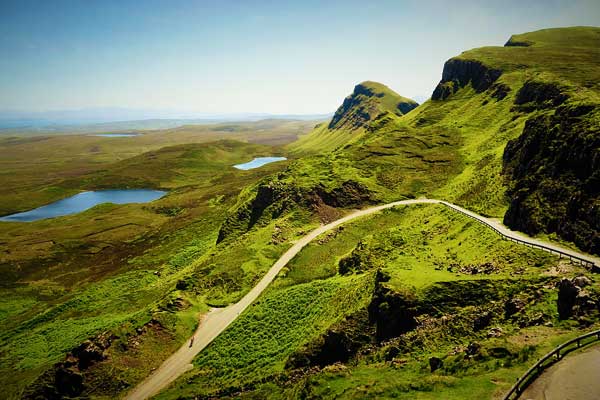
x=414 y=302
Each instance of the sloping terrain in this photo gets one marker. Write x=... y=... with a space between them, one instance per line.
x=413 y=303
x=423 y=334
x=370 y=105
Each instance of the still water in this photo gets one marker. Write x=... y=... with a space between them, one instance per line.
x=258 y=162
x=116 y=134
x=83 y=201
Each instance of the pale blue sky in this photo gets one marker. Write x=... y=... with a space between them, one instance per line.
x=246 y=56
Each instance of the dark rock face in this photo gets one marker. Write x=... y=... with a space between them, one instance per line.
x=66 y=378
x=274 y=198
x=458 y=73
x=539 y=95
x=435 y=363
x=88 y=353
x=393 y=313
x=513 y=306
x=69 y=381
x=338 y=344
x=582 y=281
x=473 y=349
x=482 y=321
x=354 y=103
x=406 y=107
x=349 y=194
x=357 y=261
x=499 y=91
x=554 y=172
x=574 y=300
x=567 y=295
x=359 y=109
x=512 y=42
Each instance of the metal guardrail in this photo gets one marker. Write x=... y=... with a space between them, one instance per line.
x=549 y=359
x=555 y=355
x=572 y=257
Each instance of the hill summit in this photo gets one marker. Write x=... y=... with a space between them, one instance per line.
x=368 y=101
x=371 y=106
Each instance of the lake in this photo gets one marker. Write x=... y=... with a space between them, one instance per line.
x=83 y=201
x=258 y=162
x=117 y=134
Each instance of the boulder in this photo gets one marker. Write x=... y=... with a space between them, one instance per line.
x=582 y=281
x=513 y=306
x=495 y=332
x=473 y=349
x=567 y=295
x=435 y=363
x=69 y=381
x=482 y=321
x=88 y=353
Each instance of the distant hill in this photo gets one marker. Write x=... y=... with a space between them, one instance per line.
x=106 y=121
x=369 y=105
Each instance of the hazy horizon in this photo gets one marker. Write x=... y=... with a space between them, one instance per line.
x=245 y=57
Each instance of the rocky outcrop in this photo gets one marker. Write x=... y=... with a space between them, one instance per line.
x=514 y=42
x=435 y=363
x=573 y=299
x=273 y=198
x=338 y=344
x=393 y=313
x=366 y=103
x=358 y=261
x=554 y=176
x=513 y=306
x=538 y=96
x=482 y=321
x=459 y=73
x=66 y=379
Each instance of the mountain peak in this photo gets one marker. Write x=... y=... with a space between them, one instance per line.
x=368 y=100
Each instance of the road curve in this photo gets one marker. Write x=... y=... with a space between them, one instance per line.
x=217 y=320
x=574 y=378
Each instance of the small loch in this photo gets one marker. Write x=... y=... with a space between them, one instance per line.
x=116 y=135
x=85 y=200
x=258 y=162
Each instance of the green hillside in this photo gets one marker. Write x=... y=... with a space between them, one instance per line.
x=414 y=302
x=505 y=134
x=370 y=105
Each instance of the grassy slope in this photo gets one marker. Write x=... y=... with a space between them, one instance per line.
x=371 y=99
x=66 y=279
x=447 y=148
x=452 y=149
x=563 y=56
x=465 y=134
x=299 y=306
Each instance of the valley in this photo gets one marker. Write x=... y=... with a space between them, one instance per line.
x=353 y=258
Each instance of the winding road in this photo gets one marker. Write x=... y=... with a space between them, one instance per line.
x=217 y=320
x=574 y=378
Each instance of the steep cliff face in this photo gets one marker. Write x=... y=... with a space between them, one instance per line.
x=459 y=72
x=274 y=198
x=369 y=108
x=528 y=113
x=554 y=167
x=367 y=101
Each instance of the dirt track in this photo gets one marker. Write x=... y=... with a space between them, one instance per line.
x=217 y=320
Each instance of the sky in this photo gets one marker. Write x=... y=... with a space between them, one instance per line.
x=277 y=57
